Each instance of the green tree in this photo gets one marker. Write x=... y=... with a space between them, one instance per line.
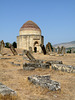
x=69 y=51
x=7 y=44
x=14 y=44
x=73 y=51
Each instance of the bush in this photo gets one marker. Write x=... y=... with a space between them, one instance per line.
x=73 y=51
x=14 y=44
x=7 y=44
x=69 y=51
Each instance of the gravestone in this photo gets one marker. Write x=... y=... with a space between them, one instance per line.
x=50 y=62
x=45 y=82
x=73 y=50
x=62 y=50
x=58 y=50
x=32 y=66
x=5 y=91
x=64 y=68
x=31 y=58
x=54 y=49
x=13 y=49
x=30 y=49
x=48 y=47
x=2 y=45
x=43 y=49
x=28 y=54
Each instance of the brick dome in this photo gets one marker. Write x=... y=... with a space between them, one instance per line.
x=30 y=25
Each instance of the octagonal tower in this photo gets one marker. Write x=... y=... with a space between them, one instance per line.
x=30 y=37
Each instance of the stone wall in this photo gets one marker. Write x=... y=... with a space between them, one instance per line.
x=29 y=32
x=26 y=41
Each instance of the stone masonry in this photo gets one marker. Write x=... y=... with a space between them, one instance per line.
x=30 y=37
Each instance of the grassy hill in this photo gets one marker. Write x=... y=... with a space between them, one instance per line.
x=66 y=44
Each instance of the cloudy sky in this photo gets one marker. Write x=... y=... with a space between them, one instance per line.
x=56 y=19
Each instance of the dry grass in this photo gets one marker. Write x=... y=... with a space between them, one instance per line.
x=8 y=97
x=16 y=78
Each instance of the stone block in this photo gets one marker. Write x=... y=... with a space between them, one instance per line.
x=28 y=54
x=45 y=82
x=64 y=68
x=4 y=90
x=54 y=62
x=28 y=68
x=34 y=65
x=13 y=50
x=43 y=49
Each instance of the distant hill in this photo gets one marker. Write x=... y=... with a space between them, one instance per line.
x=66 y=44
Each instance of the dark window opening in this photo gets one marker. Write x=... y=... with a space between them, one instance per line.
x=35 y=49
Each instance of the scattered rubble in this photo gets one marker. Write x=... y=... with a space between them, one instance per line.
x=44 y=81
x=14 y=64
x=8 y=55
x=5 y=58
x=64 y=68
x=0 y=54
x=52 y=54
x=60 y=55
x=20 y=54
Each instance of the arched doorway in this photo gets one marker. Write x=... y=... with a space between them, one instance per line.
x=35 y=49
x=35 y=46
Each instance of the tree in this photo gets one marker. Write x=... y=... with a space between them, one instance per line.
x=14 y=44
x=69 y=51
x=7 y=44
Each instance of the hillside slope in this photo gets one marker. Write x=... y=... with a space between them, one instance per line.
x=66 y=44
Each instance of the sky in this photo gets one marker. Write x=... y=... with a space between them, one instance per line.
x=56 y=19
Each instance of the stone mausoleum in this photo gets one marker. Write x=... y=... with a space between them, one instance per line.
x=30 y=37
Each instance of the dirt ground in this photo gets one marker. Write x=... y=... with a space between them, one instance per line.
x=16 y=78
